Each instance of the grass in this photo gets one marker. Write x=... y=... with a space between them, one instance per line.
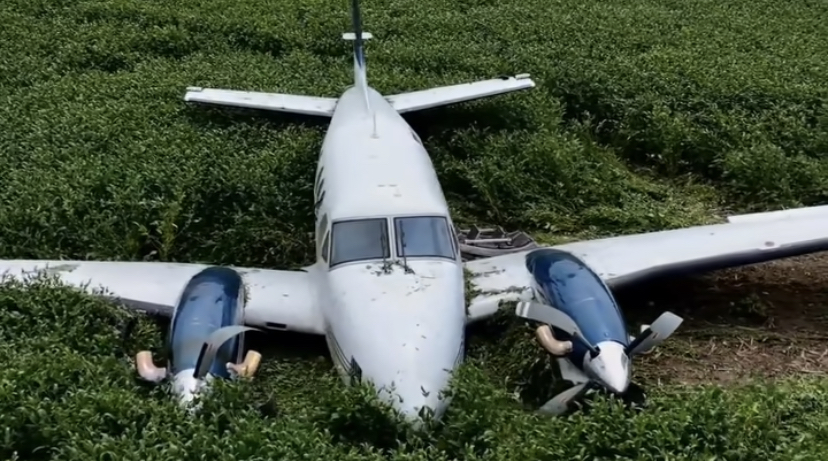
x=648 y=114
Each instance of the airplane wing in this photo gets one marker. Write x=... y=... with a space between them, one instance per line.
x=283 y=300
x=445 y=95
x=278 y=102
x=629 y=259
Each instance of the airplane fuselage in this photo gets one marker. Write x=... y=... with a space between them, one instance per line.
x=391 y=275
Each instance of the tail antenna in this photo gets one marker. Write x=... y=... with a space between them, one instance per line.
x=356 y=19
x=359 y=37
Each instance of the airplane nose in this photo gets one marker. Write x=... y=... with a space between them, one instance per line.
x=417 y=409
x=417 y=400
x=611 y=367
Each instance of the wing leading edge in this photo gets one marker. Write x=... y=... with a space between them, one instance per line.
x=283 y=300
x=629 y=259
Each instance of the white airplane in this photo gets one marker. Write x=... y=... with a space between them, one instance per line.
x=387 y=290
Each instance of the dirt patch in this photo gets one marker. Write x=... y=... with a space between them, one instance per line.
x=763 y=321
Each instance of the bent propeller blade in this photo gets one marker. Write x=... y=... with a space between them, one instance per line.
x=558 y=405
x=661 y=329
x=549 y=315
x=213 y=344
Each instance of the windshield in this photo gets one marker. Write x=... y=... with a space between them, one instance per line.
x=424 y=236
x=359 y=240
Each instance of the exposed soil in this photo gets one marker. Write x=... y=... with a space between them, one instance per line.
x=763 y=321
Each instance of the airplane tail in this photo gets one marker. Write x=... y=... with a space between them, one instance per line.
x=358 y=37
x=319 y=106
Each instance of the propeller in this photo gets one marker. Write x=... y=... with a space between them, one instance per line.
x=559 y=404
x=655 y=334
x=213 y=344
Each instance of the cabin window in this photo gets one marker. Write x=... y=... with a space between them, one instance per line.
x=455 y=241
x=356 y=371
x=319 y=188
x=359 y=240
x=416 y=138
x=424 y=236
x=319 y=202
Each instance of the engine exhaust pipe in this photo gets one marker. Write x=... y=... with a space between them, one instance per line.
x=147 y=369
x=552 y=344
x=248 y=367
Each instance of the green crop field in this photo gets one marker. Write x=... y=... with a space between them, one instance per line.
x=647 y=115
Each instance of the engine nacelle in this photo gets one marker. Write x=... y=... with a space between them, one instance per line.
x=206 y=335
x=569 y=285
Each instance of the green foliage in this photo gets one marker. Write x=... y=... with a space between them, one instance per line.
x=696 y=91
x=647 y=115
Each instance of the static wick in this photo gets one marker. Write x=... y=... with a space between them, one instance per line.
x=374 y=135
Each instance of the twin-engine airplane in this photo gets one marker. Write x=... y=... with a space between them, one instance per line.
x=387 y=289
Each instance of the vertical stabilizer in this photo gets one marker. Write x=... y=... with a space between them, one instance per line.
x=358 y=37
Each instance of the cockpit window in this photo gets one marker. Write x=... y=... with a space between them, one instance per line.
x=359 y=240
x=424 y=236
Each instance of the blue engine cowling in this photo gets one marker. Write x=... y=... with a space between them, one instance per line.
x=568 y=284
x=212 y=299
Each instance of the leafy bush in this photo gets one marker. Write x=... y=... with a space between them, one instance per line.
x=100 y=158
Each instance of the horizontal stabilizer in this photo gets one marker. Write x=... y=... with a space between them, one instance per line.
x=277 y=102
x=352 y=36
x=445 y=95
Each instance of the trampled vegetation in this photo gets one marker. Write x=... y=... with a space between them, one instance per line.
x=648 y=114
